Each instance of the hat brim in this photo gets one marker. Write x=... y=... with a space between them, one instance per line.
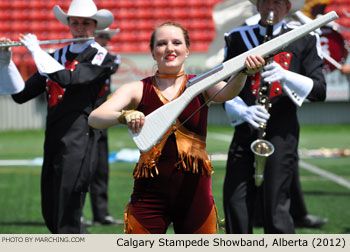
x=296 y=5
x=104 y=18
x=110 y=33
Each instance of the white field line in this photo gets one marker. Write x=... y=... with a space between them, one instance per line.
x=216 y=157
x=309 y=167
x=30 y=162
x=328 y=175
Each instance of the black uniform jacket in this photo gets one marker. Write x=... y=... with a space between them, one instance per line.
x=71 y=95
x=301 y=56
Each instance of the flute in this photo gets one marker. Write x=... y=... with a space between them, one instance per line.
x=45 y=42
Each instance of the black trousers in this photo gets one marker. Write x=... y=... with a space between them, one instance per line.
x=240 y=191
x=297 y=204
x=61 y=205
x=99 y=184
x=65 y=179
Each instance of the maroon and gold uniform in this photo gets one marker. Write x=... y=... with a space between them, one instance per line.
x=172 y=180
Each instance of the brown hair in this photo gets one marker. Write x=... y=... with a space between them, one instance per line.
x=184 y=31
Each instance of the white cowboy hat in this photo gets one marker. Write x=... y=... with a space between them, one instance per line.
x=296 y=4
x=86 y=9
x=109 y=32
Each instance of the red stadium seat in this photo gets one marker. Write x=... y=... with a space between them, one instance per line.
x=179 y=13
x=136 y=19
x=6 y=5
x=144 y=13
x=21 y=26
x=143 y=4
x=145 y=24
x=179 y=3
x=5 y=14
x=19 y=4
x=41 y=4
x=160 y=3
x=5 y=26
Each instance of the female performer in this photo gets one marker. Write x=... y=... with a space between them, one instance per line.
x=172 y=180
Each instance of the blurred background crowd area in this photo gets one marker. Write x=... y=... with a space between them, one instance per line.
x=206 y=20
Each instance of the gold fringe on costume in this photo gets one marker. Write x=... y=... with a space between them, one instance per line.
x=193 y=156
x=191 y=150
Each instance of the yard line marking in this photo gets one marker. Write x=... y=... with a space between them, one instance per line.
x=31 y=162
x=328 y=175
x=309 y=167
x=219 y=136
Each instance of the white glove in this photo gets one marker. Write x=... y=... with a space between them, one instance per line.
x=5 y=57
x=274 y=72
x=238 y=112
x=43 y=61
x=11 y=81
x=297 y=86
x=31 y=42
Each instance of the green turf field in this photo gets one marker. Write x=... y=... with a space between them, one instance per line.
x=20 y=185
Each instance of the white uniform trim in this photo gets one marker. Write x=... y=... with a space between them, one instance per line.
x=100 y=55
x=11 y=81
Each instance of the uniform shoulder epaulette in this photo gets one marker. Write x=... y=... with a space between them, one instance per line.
x=100 y=55
x=241 y=29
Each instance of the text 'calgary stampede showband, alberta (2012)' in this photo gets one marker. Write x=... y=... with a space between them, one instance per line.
x=222 y=242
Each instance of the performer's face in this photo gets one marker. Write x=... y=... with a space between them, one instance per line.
x=170 y=50
x=279 y=7
x=82 y=27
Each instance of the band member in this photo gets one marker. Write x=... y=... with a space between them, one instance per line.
x=295 y=74
x=298 y=209
x=172 y=180
x=99 y=185
x=71 y=79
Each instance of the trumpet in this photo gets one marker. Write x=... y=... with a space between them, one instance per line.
x=45 y=42
x=261 y=148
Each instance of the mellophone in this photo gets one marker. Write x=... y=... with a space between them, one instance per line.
x=158 y=122
x=45 y=42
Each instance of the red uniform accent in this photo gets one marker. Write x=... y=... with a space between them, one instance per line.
x=54 y=90
x=283 y=59
x=105 y=89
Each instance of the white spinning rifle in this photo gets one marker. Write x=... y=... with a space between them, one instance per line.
x=159 y=121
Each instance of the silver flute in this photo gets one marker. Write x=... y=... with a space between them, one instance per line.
x=44 y=42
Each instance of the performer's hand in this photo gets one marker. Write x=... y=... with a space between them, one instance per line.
x=253 y=64
x=274 y=72
x=255 y=115
x=5 y=53
x=31 y=42
x=295 y=85
x=133 y=118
